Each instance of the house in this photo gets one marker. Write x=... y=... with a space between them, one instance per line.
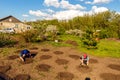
x=13 y=23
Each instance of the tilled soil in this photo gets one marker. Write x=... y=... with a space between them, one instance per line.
x=76 y=57
x=43 y=67
x=22 y=77
x=110 y=76
x=58 y=52
x=4 y=69
x=61 y=61
x=44 y=57
x=114 y=66
x=65 y=76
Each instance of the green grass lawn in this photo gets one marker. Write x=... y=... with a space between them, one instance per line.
x=106 y=48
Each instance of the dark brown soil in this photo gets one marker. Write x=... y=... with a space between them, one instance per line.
x=74 y=57
x=22 y=77
x=43 y=57
x=114 y=66
x=93 y=61
x=33 y=53
x=43 y=67
x=27 y=61
x=58 y=52
x=65 y=76
x=34 y=48
x=84 y=68
x=109 y=76
x=4 y=69
x=12 y=57
x=45 y=50
x=4 y=77
x=61 y=61
x=74 y=43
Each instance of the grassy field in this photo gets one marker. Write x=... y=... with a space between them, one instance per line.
x=106 y=47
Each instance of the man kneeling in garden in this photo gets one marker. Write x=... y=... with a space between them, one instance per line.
x=84 y=59
x=24 y=53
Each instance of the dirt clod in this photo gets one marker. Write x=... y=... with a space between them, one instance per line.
x=74 y=57
x=58 y=52
x=114 y=66
x=65 y=76
x=61 y=61
x=22 y=77
x=43 y=57
x=4 y=69
x=43 y=67
x=109 y=76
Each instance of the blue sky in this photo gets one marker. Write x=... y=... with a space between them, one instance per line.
x=32 y=10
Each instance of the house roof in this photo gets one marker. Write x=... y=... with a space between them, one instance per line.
x=6 y=19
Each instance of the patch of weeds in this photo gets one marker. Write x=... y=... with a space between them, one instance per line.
x=42 y=74
x=65 y=67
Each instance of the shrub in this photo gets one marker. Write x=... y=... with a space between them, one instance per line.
x=31 y=36
x=89 y=39
x=6 y=40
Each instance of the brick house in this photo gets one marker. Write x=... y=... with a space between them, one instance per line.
x=14 y=23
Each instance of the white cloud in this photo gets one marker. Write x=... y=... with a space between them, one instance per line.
x=66 y=5
x=24 y=15
x=50 y=10
x=67 y=14
x=54 y=3
x=98 y=1
x=96 y=9
x=38 y=13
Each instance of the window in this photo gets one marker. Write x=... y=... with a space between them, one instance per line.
x=16 y=25
x=28 y=27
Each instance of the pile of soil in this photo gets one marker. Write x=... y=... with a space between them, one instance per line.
x=58 y=52
x=45 y=50
x=76 y=57
x=61 y=61
x=74 y=43
x=84 y=68
x=12 y=57
x=109 y=76
x=4 y=77
x=114 y=66
x=93 y=61
x=65 y=76
x=43 y=67
x=4 y=69
x=34 y=48
x=22 y=77
x=27 y=61
x=43 y=57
